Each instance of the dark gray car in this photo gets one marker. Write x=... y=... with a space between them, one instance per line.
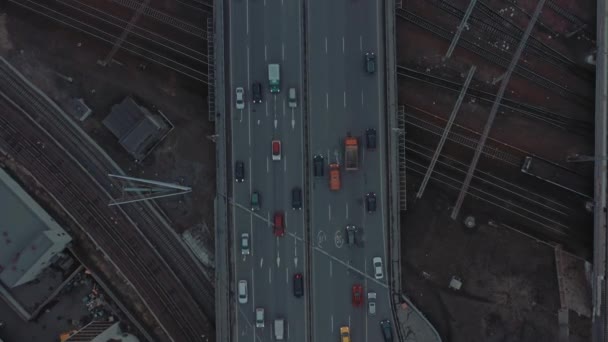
x=387 y=330
x=256 y=92
x=318 y=165
x=239 y=171
x=370 y=62
x=296 y=198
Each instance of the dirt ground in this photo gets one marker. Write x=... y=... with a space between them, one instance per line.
x=510 y=290
x=186 y=156
x=63 y=64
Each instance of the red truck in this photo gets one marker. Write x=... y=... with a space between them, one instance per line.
x=351 y=153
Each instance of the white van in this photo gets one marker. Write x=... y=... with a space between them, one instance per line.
x=279 y=329
x=293 y=102
x=243 y=297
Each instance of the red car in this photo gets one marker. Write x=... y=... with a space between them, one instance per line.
x=357 y=295
x=276 y=150
x=279 y=223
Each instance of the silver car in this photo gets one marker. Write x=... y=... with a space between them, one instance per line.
x=378 y=272
x=245 y=244
x=240 y=98
x=371 y=303
x=243 y=296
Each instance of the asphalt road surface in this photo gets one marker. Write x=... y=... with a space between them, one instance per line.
x=345 y=99
x=263 y=32
x=342 y=98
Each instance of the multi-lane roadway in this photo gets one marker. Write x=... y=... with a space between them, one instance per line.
x=345 y=99
x=263 y=32
x=341 y=98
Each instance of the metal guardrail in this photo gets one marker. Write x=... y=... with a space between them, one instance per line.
x=402 y=158
x=211 y=69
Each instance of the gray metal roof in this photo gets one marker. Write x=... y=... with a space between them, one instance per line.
x=29 y=237
x=135 y=127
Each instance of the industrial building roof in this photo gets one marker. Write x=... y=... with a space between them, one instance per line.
x=29 y=237
x=135 y=127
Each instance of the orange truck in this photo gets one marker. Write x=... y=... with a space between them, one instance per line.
x=351 y=153
x=334 y=177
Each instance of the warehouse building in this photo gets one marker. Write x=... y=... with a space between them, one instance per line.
x=30 y=239
x=137 y=129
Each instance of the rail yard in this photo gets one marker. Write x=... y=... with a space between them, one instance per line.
x=528 y=180
x=496 y=109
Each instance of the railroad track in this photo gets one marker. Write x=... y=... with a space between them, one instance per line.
x=198 y=5
x=108 y=28
x=499 y=27
x=167 y=19
x=149 y=224
x=567 y=123
x=66 y=182
x=534 y=208
x=496 y=58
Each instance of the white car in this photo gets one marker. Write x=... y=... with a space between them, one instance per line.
x=378 y=272
x=259 y=317
x=240 y=98
x=245 y=244
x=371 y=303
x=276 y=150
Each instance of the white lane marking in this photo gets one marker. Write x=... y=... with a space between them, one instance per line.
x=343 y=44
x=251 y=229
x=347 y=210
x=344 y=99
x=327 y=100
x=329 y=211
x=295 y=252
x=285 y=164
x=269 y=275
x=250 y=177
x=293 y=119
x=332 y=323
x=261 y=262
x=264 y=3
x=267 y=165
x=325 y=44
x=281 y=2
x=331 y=269
x=286 y=275
x=265 y=53
x=282 y=51
x=360 y=43
x=247 y=15
x=252 y=289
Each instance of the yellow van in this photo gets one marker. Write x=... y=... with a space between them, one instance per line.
x=344 y=334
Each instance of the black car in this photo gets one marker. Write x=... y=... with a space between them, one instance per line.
x=387 y=330
x=351 y=235
x=298 y=285
x=370 y=138
x=239 y=171
x=370 y=202
x=256 y=92
x=370 y=62
x=296 y=198
x=318 y=166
